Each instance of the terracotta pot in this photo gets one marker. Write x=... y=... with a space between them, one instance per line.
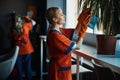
x=106 y=44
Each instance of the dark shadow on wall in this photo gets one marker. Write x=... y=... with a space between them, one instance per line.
x=6 y=8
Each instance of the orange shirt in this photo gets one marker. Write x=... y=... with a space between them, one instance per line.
x=59 y=48
x=23 y=41
x=68 y=32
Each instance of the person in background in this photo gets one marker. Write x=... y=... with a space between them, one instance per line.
x=60 y=44
x=25 y=50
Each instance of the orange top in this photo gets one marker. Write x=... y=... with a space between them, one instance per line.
x=68 y=32
x=23 y=41
x=59 y=47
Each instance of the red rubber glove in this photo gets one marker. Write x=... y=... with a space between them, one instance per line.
x=83 y=21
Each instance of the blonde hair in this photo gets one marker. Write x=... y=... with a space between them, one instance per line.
x=51 y=13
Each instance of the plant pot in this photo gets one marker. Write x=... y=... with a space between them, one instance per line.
x=106 y=44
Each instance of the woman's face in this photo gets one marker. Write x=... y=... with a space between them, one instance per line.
x=60 y=17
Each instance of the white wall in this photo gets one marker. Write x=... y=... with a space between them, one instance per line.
x=70 y=13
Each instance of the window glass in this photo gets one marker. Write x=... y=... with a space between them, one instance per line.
x=72 y=12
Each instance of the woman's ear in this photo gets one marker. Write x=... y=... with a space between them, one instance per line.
x=55 y=20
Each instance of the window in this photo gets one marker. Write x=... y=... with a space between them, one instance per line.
x=72 y=13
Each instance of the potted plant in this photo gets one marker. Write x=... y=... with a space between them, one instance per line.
x=109 y=21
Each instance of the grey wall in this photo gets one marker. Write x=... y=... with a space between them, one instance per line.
x=6 y=8
x=57 y=3
x=90 y=39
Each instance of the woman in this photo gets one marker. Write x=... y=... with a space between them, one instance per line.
x=60 y=46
